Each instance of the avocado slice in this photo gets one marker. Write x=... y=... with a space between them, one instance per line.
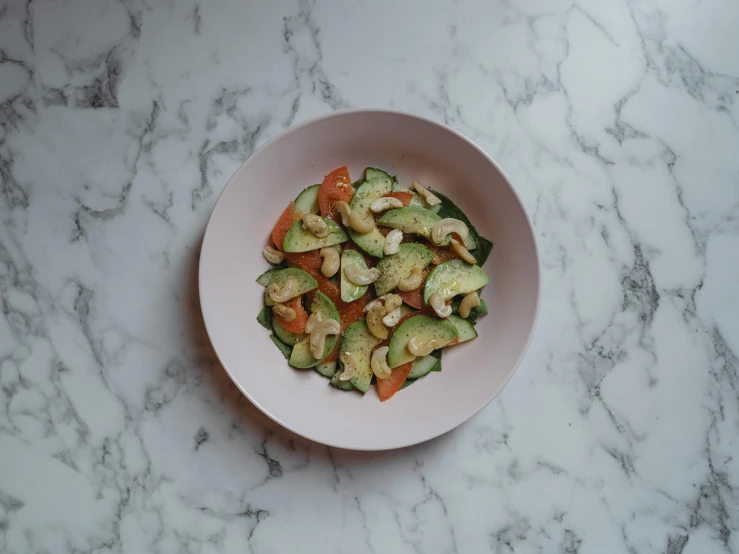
x=424 y=328
x=399 y=266
x=452 y=278
x=410 y=219
x=301 y=356
x=350 y=291
x=359 y=342
x=372 y=189
x=299 y=239
x=303 y=281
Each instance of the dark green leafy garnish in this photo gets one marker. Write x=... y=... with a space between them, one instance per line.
x=265 y=317
x=286 y=349
x=450 y=209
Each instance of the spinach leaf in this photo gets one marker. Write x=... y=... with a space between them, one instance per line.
x=358 y=183
x=408 y=383
x=450 y=209
x=286 y=349
x=265 y=318
x=475 y=312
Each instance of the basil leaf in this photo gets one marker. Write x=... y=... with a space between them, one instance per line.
x=286 y=349
x=450 y=209
x=265 y=318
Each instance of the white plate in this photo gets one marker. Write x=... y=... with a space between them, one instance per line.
x=411 y=148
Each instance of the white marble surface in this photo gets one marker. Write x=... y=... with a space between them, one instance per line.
x=120 y=122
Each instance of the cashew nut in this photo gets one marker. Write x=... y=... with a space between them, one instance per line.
x=430 y=197
x=374 y=303
x=413 y=281
x=330 y=261
x=343 y=209
x=463 y=252
x=468 y=302
x=374 y=321
x=285 y=312
x=392 y=242
x=422 y=349
x=272 y=255
x=392 y=301
x=379 y=363
x=361 y=224
x=318 y=336
x=314 y=319
x=315 y=224
x=360 y=276
x=446 y=226
x=385 y=203
x=280 y=295
x=350 y=366
x=439 y=305
x=391 y=319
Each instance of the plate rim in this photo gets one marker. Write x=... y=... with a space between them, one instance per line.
x=444 y=127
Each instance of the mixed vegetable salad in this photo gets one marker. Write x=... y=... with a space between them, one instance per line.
x=371 y=280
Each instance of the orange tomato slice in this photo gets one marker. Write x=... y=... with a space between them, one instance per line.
x=336 y=186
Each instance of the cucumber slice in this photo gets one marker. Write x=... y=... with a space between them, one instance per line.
x=288 y=337
x=399 y=266
x=299 y=239
x=359 y=342
x=466 y=331
x=338 y=383
x=424 y=328
x=413 y=220
x=423 y=366
x=452 y=278
x=301 y=356
x=374 y=174
x=374 y=241
x=349 y=291
x=326 y=369
x=307 y=201
x=284 y=348
x=303 y=281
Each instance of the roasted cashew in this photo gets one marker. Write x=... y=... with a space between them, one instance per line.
x=379 y=363
x=330 y=261
x=430 y=198
x=314 y=319
x=392 y=242
x=316 y=225
x=280 y=295
x=392 y=301
x=446 y=226
x=374 y=321
x=391 y=319
x=413 y=281
x=439 y=305
x=318 y=336
x=350 y=366
x=422 y=349
x=385 y=203
x=285 y=312
x=470 y=301
x=463 y=252
x=374 y=303
x=272 y=255
x=343 y=209
x=361 y=224
x=359 y=276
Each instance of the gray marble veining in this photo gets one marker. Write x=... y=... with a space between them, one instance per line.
x=121 y=121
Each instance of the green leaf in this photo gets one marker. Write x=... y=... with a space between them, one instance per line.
x=408 y=383
x=265 y=318
x=450 y=209
x=286 y=349
x=358 y=183
x=482 y=309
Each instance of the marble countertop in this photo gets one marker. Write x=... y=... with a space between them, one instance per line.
x=120 y=123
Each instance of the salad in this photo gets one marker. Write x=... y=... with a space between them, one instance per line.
x=370 y=281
